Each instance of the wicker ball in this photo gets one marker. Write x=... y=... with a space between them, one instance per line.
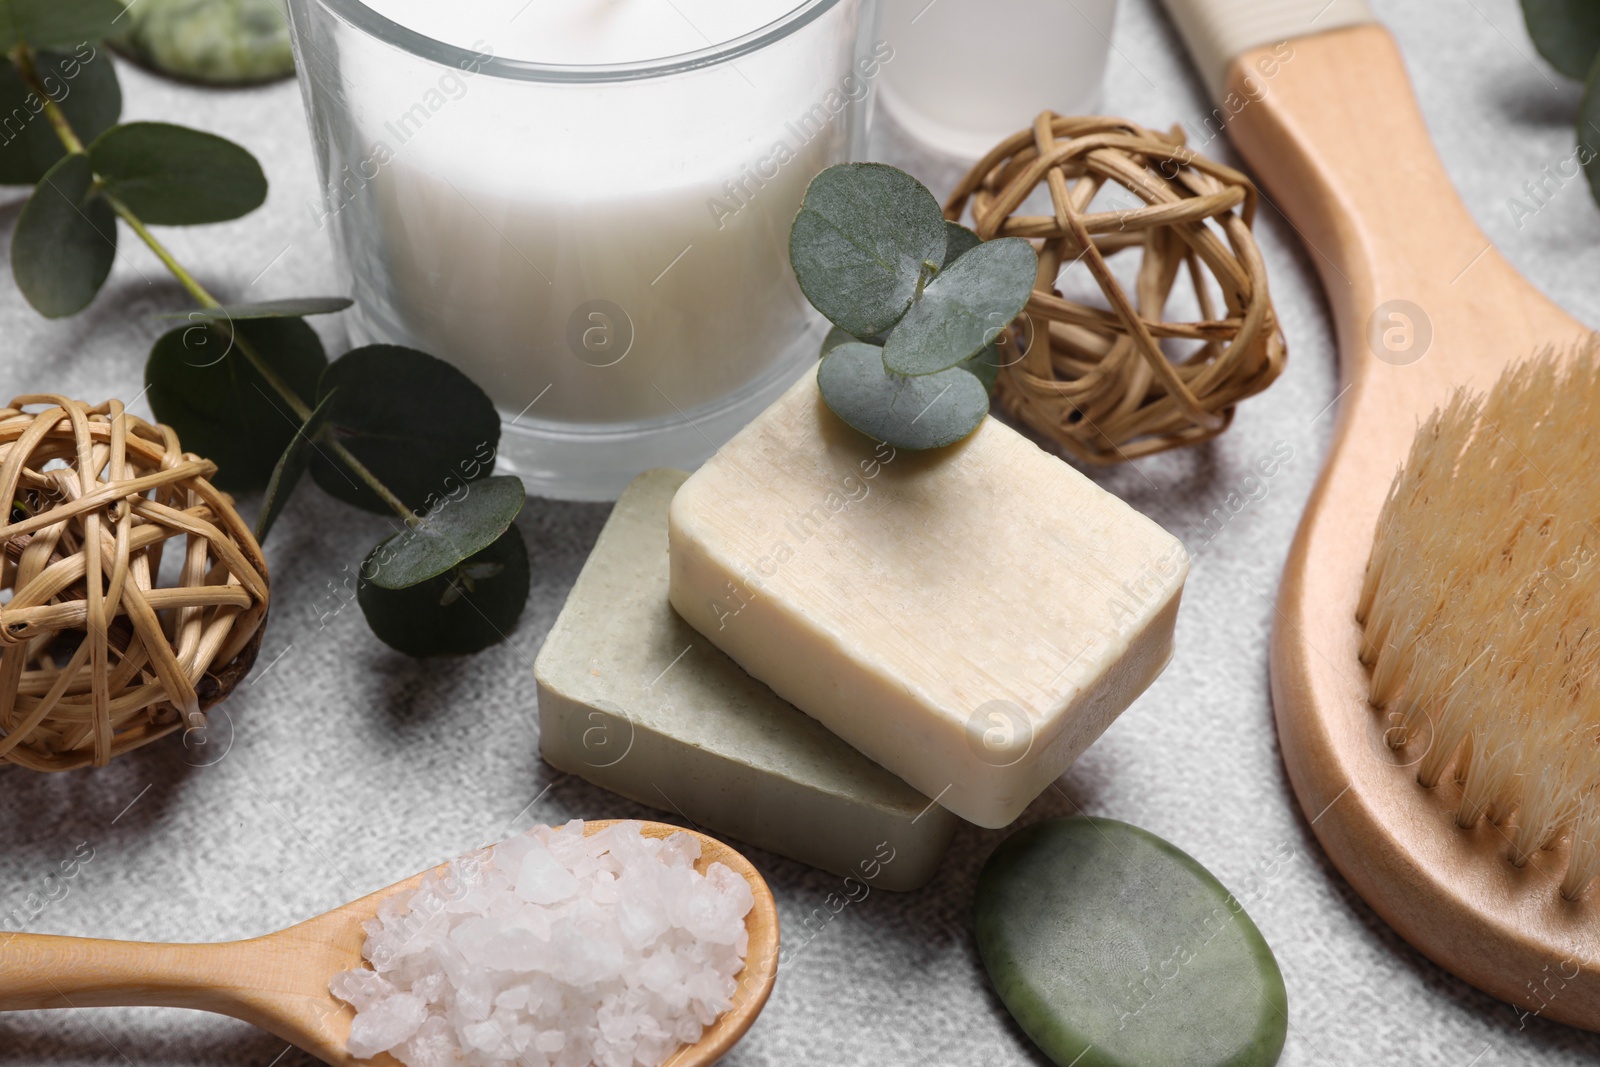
x=104 y=645
x=1095 y=379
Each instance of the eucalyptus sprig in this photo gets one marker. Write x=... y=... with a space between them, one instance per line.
x=384 y=428
x=917 y=304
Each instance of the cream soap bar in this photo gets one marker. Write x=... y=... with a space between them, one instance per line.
x=970 y=618
x=632 y=699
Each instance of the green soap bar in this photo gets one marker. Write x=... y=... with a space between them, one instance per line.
x=1113 y=948
x=635 y=700
x=221 y=42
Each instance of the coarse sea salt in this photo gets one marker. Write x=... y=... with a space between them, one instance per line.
x=553 y=950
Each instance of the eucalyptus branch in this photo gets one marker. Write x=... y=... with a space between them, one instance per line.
x=23 y=58
x=911 y=359
x=411 y=428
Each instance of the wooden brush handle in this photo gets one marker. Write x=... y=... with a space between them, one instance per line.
x=40 y=971
x=1316 y=97
x=1336 y=136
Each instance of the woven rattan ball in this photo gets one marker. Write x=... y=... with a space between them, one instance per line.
x=1096 y=379
x=132 y=595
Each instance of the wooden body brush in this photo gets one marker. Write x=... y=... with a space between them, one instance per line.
x=280 y=982
x=1476 y=874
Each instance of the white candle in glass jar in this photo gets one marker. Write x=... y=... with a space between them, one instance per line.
x=611 y=251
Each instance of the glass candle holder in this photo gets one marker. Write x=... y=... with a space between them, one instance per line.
x=602 y=247
x=950 y=91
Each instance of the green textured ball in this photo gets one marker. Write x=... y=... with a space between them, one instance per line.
x=218 y=42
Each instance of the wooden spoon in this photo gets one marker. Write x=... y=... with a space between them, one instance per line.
x=1423 y=304
x=280 y=982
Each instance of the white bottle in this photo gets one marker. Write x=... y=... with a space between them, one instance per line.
x=968 y=73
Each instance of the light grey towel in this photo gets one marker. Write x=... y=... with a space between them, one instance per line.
x=352 y=766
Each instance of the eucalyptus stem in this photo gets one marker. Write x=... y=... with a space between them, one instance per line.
x=371 y=481
x=23 y=58
x=185 y=279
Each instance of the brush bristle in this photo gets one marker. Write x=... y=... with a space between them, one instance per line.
x=1478 y=604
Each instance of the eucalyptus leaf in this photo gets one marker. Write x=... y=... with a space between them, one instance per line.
x=464 y=610
x=958 y=241
x=84 y=87
x=174 y=176
x=65 y=241
x=865 y=239
x=452 y=532
x=927 y=411
x=202 y=386
x=964 y=308
x=56 y=23
x=292 y=308
x=291 y=468
x=1566 y=33
x=415 y=421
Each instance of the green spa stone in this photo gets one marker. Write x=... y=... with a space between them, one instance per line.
x=219 y=42
x=635 y=700
x=1113 y=948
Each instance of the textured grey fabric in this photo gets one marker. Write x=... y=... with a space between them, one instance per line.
x=351 y=767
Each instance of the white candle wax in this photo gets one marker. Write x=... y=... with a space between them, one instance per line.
x=614 y=250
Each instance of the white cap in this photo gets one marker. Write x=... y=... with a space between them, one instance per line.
x=1219 y=31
